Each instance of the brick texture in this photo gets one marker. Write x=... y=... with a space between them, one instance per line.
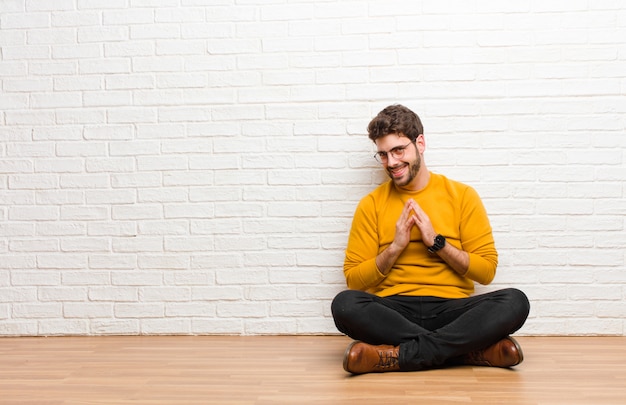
x=191 y=167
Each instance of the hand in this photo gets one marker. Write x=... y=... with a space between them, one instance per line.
x=404 y=225
x=422 y=221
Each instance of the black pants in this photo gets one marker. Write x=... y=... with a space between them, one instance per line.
x=431 y=332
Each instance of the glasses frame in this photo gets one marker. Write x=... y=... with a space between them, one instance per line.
x=382 y=156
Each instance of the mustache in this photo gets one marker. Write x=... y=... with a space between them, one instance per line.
x=390 y=168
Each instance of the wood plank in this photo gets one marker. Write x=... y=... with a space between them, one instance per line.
x=293 y=369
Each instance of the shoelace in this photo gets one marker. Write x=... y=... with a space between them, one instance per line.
x=477 y=358
x=387 y=359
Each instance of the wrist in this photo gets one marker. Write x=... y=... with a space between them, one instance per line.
x=439 y=242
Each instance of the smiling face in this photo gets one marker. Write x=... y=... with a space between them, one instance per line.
x=403 y=160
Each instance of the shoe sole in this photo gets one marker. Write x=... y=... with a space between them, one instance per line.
x=346 y=353
x=519 y=350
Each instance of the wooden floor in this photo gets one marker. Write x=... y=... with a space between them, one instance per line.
x=293 y=370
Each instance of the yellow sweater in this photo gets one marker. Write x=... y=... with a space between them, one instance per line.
x=456 y=212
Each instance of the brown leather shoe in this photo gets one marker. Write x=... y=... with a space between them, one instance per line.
x=362 y=358
x=505 y=353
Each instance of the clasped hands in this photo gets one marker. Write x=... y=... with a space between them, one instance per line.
x=413 y=215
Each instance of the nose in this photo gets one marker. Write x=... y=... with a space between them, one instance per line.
x=391 y=160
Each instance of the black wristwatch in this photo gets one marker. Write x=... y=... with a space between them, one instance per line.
x=440 y=242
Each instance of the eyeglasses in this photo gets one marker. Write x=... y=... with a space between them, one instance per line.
x=397 y=153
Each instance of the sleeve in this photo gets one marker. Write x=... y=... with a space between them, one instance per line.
x=477 y=239
x=359 y=266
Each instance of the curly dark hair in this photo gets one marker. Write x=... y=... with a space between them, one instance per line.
x=395 y=119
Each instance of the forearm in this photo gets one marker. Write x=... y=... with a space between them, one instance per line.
x=363 y=274
x=386 y=259
x=457 y=259
x=479 y=267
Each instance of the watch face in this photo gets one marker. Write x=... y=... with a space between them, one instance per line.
x=440 y=242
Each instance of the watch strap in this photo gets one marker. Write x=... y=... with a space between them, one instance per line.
x=440 y=242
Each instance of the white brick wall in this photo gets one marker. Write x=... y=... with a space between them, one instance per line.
x=191 y=167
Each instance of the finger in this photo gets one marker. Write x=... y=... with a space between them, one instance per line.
x=408 y=223
x=406 y=211
x=417 y=208
x=411 y=205
x=421 y=214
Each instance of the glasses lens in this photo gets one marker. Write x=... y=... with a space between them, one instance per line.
x=397 y=153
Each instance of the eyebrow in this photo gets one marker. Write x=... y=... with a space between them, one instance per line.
x=394 y=148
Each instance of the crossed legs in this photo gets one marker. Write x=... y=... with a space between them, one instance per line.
x=431 y=332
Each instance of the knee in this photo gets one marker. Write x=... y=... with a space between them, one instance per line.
x=342 y=303
x=348 y=304
x=519 y=302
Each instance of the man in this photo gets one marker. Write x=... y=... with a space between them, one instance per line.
x=417 y=245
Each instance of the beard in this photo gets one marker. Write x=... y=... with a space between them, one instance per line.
x=414 y=168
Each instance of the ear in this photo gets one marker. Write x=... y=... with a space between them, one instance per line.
x=420 y=142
